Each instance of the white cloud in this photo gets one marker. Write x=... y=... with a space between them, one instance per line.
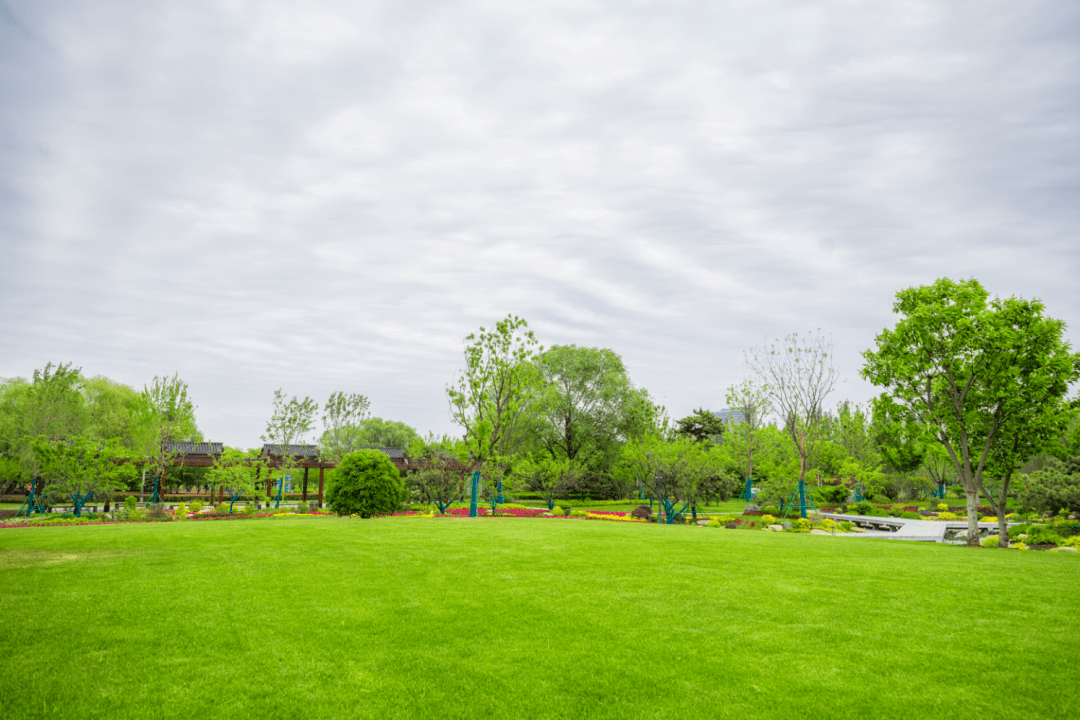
x=332 y=196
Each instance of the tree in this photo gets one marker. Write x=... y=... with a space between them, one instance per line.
x=550 y=476
x=79 y=468
x=491 y=396
x=342 y=414
x=587 y=405
x=113 y=411
x=54 y=407
x=974 y=372
x=366 y=483
x=234 y=472
x=167 y=414
x=750 y=402
x=701 y=426
x=798 y=375
x=903 y=445
x=1052 y=489
x=438 y=470
x=672 y=472
x=289 y=425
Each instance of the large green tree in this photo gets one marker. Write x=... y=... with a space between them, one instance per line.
x=586 y=405
x=976 y=372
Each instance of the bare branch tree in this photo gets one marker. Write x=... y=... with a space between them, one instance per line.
x=798 y=374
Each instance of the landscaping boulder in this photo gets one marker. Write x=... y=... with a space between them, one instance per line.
x=786 y=525
x=776 y=528
x=1066 y=550
x=751 y=508
x=641 y=511
x=818 y=531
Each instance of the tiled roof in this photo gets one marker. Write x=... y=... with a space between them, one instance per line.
x=394 y=453
x=192 y=448
x=292 y=450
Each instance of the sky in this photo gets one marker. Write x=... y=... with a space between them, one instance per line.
x=328 y=196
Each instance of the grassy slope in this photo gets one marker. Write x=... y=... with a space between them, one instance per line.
x=526 y=618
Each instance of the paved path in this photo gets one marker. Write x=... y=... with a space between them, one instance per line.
x=921 y=530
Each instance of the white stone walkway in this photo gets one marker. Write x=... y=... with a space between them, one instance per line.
x=919 y=530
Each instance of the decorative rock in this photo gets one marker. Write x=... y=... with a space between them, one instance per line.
x=1022 y=536
x=961 y=535
x=776 y=528
x=1066 y=550
x=818 y=531
x=641 y=511
x=751 y=507
x=786 y=525
x=702 y=523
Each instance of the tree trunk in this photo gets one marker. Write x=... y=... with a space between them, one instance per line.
x=973 y=515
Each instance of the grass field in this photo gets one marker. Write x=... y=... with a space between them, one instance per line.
x=402 y=617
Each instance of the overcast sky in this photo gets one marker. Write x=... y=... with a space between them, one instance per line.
x=326 y=196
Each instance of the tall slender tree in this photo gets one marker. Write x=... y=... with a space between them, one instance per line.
x=798 y=375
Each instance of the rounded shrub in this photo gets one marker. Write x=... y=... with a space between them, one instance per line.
x=366 y=483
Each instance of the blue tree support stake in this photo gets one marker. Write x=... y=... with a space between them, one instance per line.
x=475 y=490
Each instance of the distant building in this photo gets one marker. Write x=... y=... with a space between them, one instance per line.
x=732 y=416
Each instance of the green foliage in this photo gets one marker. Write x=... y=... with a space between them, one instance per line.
x=991 y=541
x=832 y=494
x=491 y=397
x=233 y=471
x=674 y=470
x=341 y=416
x=1036 y=534
x=987 y=378
x=197 y=506
x=366 y=483
x=181 y=512
x=701 y=426
x=131 y=503
x=77 y=467
x=585 y=406
x=1051 y=489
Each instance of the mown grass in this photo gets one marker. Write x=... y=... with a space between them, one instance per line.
x=403 y=617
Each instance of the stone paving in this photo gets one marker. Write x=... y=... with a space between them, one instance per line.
x=920 y=530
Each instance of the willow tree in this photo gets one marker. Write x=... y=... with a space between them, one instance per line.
x=987 y=377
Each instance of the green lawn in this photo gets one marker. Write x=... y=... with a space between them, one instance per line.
x=406 y=617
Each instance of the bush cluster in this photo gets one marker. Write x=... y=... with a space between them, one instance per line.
x=366 y=483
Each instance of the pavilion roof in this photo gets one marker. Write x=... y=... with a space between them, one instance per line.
x=303 y=451
x=192 y=448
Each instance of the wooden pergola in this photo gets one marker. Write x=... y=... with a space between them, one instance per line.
x=203 y=454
